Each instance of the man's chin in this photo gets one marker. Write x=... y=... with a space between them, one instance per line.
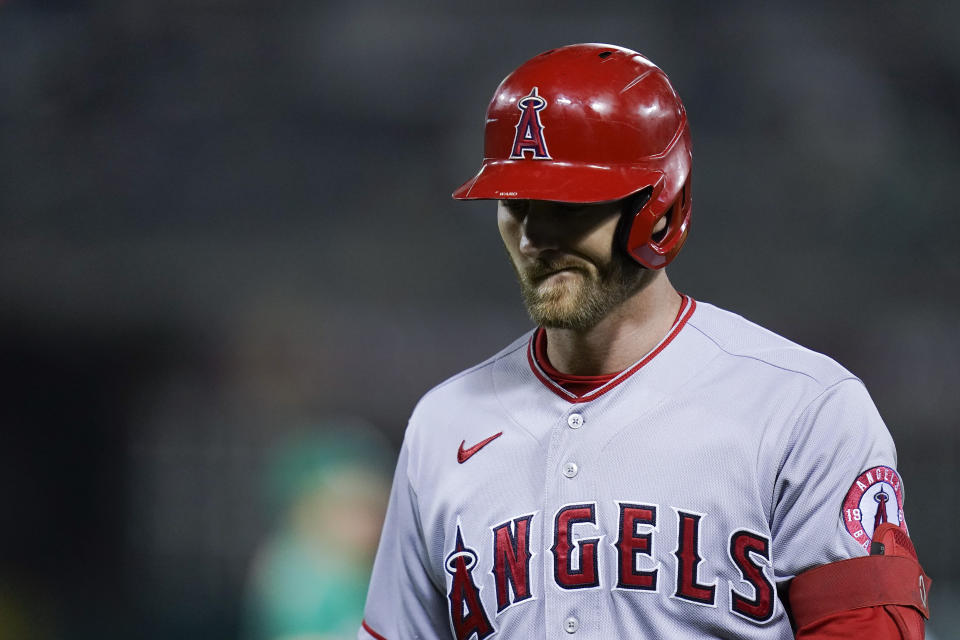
x=553 y=318
x=558 y=295
x=556 y=310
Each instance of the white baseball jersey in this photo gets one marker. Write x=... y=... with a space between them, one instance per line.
x=669 y=503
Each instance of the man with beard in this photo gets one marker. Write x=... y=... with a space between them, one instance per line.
x=640 y=464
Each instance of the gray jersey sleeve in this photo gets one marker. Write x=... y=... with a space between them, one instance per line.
x=403 y=600
x=837 y=437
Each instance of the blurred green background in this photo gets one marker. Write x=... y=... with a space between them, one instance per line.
x=226 y=233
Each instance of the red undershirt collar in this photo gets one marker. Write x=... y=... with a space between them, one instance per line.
x=577 y=385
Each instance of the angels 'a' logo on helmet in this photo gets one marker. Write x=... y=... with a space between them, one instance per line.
x=875 y=497
x=529 y=128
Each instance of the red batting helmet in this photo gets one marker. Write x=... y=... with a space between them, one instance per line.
x=592 y=123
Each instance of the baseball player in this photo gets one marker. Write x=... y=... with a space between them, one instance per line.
x=640 y=465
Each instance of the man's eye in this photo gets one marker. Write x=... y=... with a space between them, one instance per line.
x=516 y=206
x=576 y=209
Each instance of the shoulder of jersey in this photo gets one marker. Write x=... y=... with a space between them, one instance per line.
x=737 y=337
x=472 y=385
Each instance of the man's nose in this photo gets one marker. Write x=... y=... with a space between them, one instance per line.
x=540 y=229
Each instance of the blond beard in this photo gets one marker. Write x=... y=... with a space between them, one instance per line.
x=578 y=303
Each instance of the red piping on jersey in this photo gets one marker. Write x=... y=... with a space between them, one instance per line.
x=687 y=308
x=366 y=627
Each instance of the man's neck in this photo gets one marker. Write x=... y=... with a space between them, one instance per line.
x=624 y=336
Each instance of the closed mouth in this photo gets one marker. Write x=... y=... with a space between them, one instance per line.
x=544 y=275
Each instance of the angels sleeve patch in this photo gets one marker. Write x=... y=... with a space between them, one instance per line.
x=875 y=497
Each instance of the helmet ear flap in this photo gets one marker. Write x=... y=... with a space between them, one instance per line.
x=677 y=216
x=630 y=208
x=656 y=250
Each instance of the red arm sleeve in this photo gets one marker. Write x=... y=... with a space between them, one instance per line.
x=882 y=596
x=877 y=623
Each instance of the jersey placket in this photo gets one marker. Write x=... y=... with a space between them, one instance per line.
x=572 y=599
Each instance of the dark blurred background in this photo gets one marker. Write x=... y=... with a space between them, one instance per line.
x=226 y=230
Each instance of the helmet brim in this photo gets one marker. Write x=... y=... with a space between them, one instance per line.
x=556 y=181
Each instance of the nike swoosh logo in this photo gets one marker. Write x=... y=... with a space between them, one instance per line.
x=464 y=454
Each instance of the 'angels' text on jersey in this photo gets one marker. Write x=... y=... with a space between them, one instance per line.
x=574 y=563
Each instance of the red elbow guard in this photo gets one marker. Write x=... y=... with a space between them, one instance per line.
x=891 y=575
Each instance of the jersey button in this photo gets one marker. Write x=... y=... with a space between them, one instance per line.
x=575 y=420
x=571 y=624
x=570 y=469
